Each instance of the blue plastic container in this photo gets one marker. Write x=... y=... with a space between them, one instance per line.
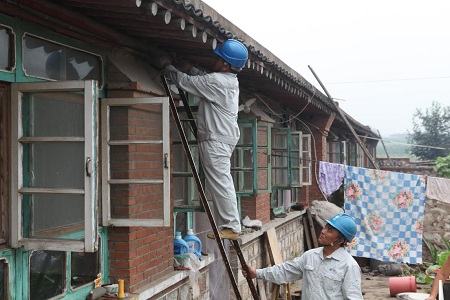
x=194 y=243
x=179 y=245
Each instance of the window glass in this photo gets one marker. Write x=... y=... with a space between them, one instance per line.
x=3 y=279
x=46 y=274
x=296 y=163
x=306 y=163
x=84 y=267
x=263 y=159
x=47 y=164
x=281 y=161
x=45 y=59
x=242 y=160
x=334 y=152
x=6 y=49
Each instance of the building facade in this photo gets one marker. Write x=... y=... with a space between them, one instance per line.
x=93 y=179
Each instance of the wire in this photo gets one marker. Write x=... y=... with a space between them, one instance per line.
x=407 y=144
x=389 y=80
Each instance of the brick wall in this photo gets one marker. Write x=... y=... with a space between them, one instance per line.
x=139 y=255
x=256 y=208
x=290 y=241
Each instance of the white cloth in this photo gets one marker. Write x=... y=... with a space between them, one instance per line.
x=336 y=277
x=217 y=135
x=438 y=188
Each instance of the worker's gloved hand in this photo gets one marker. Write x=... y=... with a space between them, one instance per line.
x=162 y=62
x=183 y=66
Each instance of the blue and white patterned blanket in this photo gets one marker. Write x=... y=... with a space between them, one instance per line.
x=388 y=208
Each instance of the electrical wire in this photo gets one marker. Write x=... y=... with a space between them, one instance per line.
x=389 y=80
x=407 y=144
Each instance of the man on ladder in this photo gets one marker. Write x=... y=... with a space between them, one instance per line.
x=217 y=127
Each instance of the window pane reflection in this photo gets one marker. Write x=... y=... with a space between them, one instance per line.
x=6 y=49
x=49 y=60
x=46 y=274
x=84 y=267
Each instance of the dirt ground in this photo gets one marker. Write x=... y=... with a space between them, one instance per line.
x=374 y=287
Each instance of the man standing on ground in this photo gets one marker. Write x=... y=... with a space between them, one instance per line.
x=328 y=272
x=218 y=130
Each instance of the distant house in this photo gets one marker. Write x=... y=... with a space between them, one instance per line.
x=93 y=179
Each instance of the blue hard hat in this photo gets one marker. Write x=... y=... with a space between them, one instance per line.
x=233 y=52
x=344 y=224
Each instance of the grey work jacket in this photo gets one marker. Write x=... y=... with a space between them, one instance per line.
x=336 y=277
x=218 y=109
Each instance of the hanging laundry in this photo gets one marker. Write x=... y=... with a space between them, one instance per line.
x=388 y=208
x=438 y=188
x=330 y=177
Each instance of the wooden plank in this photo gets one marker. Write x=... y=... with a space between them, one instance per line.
x=307 y=234
x=272 y=244
x=261 y=290
x=311 y=228
x=276 y=258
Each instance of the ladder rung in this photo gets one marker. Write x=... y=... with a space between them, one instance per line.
x=191 y=142
x=188 y=208
x=182 y=174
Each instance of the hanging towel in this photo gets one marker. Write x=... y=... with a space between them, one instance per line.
x=331 y=177
x=388 y=208
x=438 y=188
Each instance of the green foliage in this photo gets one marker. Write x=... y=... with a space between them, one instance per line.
x=431 y=128
x=434 y=251
x=442 y=166
x=442 y=257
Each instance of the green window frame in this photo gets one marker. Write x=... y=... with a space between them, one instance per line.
x=281 y=158
x=30 y=200
x=244 y=159
x=7 y=281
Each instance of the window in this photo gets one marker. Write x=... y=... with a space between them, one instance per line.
x=355 y=155
x=281 y=157
x=4 y=279
x=243 y=160
x=47 y=274
x=336 y=152
x=4 y=162
x=136 y=162
x=54 y=169
x=306 y=160
x=49 y=60
x=7 y=50
x=264 y=176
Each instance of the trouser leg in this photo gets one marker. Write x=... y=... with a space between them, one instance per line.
x=216 y=164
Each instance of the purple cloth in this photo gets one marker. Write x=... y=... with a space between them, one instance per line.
x=331 y=177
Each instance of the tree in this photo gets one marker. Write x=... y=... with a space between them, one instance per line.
x=431 y=128
x=442 y=166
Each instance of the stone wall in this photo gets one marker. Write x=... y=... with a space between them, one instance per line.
x=290 y=241
x=436 y=225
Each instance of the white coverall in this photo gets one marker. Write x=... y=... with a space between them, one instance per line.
x=217 y=135
x=335 y=277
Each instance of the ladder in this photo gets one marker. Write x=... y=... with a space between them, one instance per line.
x=202 y=194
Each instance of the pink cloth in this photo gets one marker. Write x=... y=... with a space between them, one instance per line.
x=331 y=177
x=438 y=188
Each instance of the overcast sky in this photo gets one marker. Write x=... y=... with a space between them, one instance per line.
x=384 y=59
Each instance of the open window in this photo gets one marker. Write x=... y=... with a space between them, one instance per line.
x=136 y=162
x=301 y=159
x=54 y=166
x=264 y=141
x=243 y=160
